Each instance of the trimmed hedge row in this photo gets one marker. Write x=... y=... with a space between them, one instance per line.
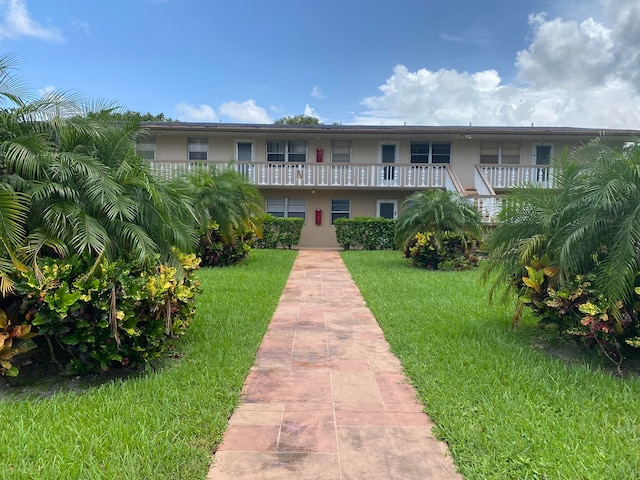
x=365 y=233
x=280 y=232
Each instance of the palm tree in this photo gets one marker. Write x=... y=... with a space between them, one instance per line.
x=89 y=192
x=590 y=221
x=437 y=211
x=14 y=209
x=604 y=233
x=226 y=198
x=531 y=224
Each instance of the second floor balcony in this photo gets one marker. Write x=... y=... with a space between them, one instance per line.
x=504 y=177
x=325 y=175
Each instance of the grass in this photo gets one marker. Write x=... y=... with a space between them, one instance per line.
x=164 y=425
x=506 y=408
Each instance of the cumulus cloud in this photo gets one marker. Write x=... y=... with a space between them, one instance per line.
x=573 y=73
x=18 y=23
x=245 y=112
x=311 y=112
x=191 y=113
x=317 y=93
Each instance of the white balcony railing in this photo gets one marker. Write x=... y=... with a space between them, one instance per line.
x=319 y=175
x=510 y=176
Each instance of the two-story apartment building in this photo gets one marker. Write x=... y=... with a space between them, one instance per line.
x=324 y=172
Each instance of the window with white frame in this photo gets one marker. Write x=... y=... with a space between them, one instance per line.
x=198 y=148
x=286 y=150
x=287 y=207
x=341 y=151
x=146 y=147
x=430 y=152
x=500 y=152
x=340 y=208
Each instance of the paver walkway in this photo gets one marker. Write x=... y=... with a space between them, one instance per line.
x=326 y=399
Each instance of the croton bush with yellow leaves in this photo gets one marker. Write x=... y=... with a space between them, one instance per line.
x=91 y=316
x=577 y=309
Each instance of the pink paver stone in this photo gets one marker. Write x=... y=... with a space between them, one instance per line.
x=326 y=399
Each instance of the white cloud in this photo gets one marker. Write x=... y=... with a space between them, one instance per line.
x=47 y=89
x=190 y=113
x=245 y=112
x=18 y=23
x=80 y=25
x=317 y=93
x=573 y=73
x=310 y=112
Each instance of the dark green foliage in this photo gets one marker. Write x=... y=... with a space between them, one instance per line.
x=447 y=251
x=577 y=309
x=214 y=251
x=365 y=233
x=297 y=120
x=228 y=209
x=587 y=229
x=118 y=115
x=437 y=211
x=95 y=317
x=280 y=232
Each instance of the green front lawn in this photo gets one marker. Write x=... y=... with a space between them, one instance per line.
x=164 y=425
x=507 y=409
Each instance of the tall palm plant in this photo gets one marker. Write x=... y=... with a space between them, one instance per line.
x=590 y=221
x=89 y=191
x=226 y=198
x=531 y=223
x=14 y=209
x=604 y=234
x=437 y=211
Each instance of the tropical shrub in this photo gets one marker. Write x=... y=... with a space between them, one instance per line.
x=14 y=341
x=228 y=210
x=572 y=253
x=365 y=233
x=447 y=251
x=214 y=251
x=437 y=211
x=96 y=317
x=78 y=205
x=577 y=309
x=280 y=232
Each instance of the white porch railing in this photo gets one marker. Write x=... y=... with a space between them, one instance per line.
x=488 y=205
x=329 y=175
x=510 y=176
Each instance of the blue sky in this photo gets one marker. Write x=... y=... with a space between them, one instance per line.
x=504 y=62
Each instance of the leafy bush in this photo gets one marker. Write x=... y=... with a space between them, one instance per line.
x=276 y=231
x=365 y=233
x=572 y=253
x=576 y=308
x=447 y=251
x=14 y=340
x=214 y=251
x=97 y=316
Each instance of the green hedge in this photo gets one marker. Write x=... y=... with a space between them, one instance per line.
x=280 y=232
x=365 y=233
